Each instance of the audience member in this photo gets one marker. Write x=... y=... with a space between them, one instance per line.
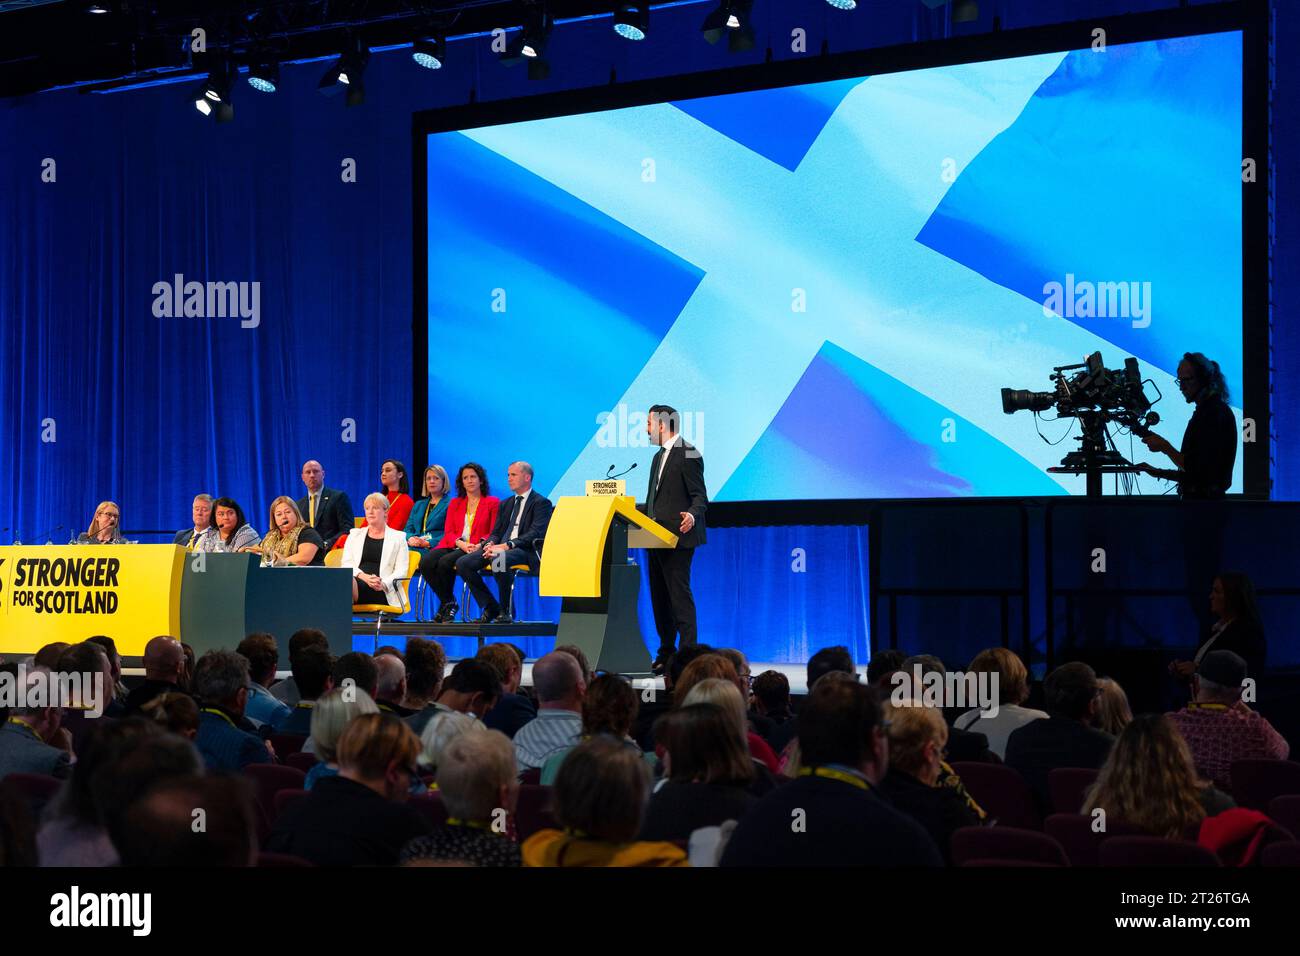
x=560 y=685
x=359 y=668
x=164 y=671
x=513 y=710
x=1237 y=628
x=1218 y=725
x=599 y=801
x=771 y=699
x=608 y=708
x=882 y=666
x=359 y=817
x=329 y=718
x=708 y=773
x=962 y=744
x=174 y=712
x=264 y=708
x=390 y=685
x=471 y=688
x=827 y=660
x=24 y=746
x=86 y=685
x=717 y=667
x=159 y=830
x=48 y=656
x=442 y=728
x=426 y=666
x=1113 y=712
x=1012 y=688
x=313 y=669
x=574 y=651
x=1066 y=738
x=286 y=691
x=221 y=684
x=830 y=815
x=115 y=662
x=479 y=786
x=1149 y=781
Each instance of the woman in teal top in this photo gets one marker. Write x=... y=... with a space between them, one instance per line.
x=425 y=526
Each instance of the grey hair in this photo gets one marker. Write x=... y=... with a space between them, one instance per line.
x=526 y=468
x=219 y=675
x=556 y=675
x=472 y=770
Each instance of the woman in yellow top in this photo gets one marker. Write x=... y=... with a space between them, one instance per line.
x=599 y=800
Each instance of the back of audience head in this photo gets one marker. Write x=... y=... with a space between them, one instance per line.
x=334 y=710
x=918 y=737
x=110 y=648
x=187 y=671
x=601 y=790
x=33 y=707
x=741 y=664
x=263 y=655
x=48 y=656
x=882 y=666
x=390 y=680
x=426 y=665
x=559 y=681
x=221 y=677
x=105 y=747
x=313 y=670
x=722 y=693
x=360 y=669
x=477 y=776
x=1071 y=692
x=164 y=660
x=159 y=828
x=88 y=663
x=505 y=662
x=1113 y=712
x=609 y=707
x=472 y=687
x=576 y=653
x=701 y=746
x=380 y=752
x=841 y=723
x=1012 y=675
x=829 y=660
x=442 y=728
x=704 y=667
x=772 y=693
x=304 y=638
x=174 y=711
x=388 y=650
x=681 y=659
x=1149 y=779
x=1219 y=678
x=140 y=761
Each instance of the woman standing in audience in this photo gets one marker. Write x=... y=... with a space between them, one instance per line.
x=1007 y=674
x=233 y=532
x=106 y=526
x=708 y=774
x=470 y=518
x=429 y=516
x=397 y=489
x=1149 y=781
x=291 y=540
x=599 y=801
x=377 y=555
x=1238 y=627
x=918 y=737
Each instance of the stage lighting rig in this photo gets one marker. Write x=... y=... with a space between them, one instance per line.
x=734 y=18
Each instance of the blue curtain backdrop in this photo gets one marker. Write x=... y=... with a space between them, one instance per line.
x=101 y=399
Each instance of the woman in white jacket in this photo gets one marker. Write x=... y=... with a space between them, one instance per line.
x=377 y=555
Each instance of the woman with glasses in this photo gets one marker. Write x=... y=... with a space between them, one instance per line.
x=106 y=526
x=917 y=783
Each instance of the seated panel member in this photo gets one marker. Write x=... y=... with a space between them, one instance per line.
x=470 y=519
x=397 y=489
x=327 y=510
x=234 y=534
x=106 y=527
x=521 y=521
x=377 y=555
x=429 y=516
x=205 y=524
x=291 y=540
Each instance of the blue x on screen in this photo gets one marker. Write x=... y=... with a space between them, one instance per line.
x=831 y=282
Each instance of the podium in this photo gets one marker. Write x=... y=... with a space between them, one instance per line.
x=586 y=564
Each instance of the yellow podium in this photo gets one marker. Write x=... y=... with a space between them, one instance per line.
x=586 y=564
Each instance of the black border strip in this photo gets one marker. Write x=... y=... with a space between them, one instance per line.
x=1249 y=16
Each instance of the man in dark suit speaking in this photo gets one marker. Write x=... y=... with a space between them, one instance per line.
x=328 y=510
x=676 y=499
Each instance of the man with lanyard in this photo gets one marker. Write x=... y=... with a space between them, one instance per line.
x=221 y=683
x=24 y=736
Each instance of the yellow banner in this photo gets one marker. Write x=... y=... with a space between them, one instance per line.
x=131 y=592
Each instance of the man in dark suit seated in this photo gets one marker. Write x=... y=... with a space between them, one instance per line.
x=1067 y=738
x=26 y=730
x=328 y=510
x=832 y=814
x=521 y=522
x=164 y=670
x=204 y=524
x=221 y=683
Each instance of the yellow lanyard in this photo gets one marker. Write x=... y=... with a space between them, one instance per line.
x=311 y=510
x=473 y=824
x=209 y=710
x=22 y=723
x=832 y=774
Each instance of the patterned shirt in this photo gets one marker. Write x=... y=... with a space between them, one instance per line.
x=1218 y=734
x=464 y=844
x=549 y=731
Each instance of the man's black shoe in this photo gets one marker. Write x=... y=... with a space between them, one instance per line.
x=505 y=617
x=447 y=613
x=489 y=615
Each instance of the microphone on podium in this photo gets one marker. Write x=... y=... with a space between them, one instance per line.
x=611 y=477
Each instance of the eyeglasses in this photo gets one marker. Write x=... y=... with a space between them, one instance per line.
x=1184 y=381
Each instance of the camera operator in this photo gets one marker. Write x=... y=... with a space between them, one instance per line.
x=1210 y=442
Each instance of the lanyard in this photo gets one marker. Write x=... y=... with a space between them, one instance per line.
x=210 y=710
x=474 y=824
x=22 y=723
x=832 y=774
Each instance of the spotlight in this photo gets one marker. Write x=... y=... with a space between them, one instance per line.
x=632 y=20
x=843 y=4
x=264 y=76
x=430 y=53
x=732 y=18
x=213 y=96
x=346 y=74
x=97 y=8
x=530 y=43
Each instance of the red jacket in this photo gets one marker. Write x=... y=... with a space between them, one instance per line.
x=399 y=509
x=485 y=518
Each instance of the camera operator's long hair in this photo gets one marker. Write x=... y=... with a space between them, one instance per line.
x=1213 y=383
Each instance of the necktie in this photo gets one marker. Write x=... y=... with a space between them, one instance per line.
x=654 y=487
x=311 y=510
x=518 y=516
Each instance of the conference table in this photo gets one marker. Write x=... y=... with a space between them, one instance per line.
x=134 y=592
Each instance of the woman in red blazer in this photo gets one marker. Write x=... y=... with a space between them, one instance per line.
x=471 y=517
x=397 y=488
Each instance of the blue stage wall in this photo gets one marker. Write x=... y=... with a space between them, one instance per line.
x=99 y=398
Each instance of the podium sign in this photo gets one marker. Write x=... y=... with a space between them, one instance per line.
x=69 y=593
x=607 y=486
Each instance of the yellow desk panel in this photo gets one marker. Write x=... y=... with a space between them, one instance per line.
x=575 y=542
